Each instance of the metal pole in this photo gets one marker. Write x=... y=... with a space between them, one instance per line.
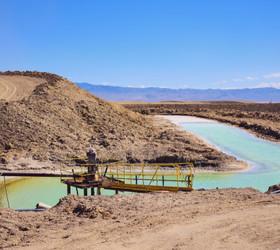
x=162 y=180
x=189 y=181
x=98 y=191
x=85 y=192
x=68 y=189
x=6 y=191
x=75 y=181
x=105 y=172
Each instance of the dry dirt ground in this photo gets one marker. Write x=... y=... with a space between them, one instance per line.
x=214 y=219
x=14 y=88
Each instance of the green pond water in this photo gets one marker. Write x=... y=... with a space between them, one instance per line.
x=263 y=157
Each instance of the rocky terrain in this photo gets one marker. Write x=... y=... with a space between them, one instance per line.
x=213 y=219
x=259 y=118
x=54 y=120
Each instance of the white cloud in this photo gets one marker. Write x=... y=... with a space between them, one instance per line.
x=251 y=78
x=272 y=75
x=244 y=79
x=268 y=85
x=237 y=80
x=142 y=86
x=101 y=83
x=252 y=81
x=224 y=81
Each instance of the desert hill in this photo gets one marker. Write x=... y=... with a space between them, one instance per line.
x=54 y=120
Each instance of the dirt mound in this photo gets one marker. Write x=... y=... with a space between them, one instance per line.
x=58 y=121
x=212 y=219
x=85 y=208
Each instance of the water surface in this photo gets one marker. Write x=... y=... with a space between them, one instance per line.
x=262 y=155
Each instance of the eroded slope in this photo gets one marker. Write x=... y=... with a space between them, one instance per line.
x=58 y=120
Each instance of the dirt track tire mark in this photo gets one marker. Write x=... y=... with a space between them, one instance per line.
x=14 y=88
x=10 y=90
x=13 y=92
x=6 y=90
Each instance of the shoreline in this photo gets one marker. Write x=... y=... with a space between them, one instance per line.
x=165 y=121
x=202 y=119
x=261 y=120
x=227 y=122
x=232 y=167
x=9 y=179
x=248 y=130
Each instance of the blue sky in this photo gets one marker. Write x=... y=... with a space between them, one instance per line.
x=177 y=44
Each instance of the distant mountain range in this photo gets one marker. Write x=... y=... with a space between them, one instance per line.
x=153 y=94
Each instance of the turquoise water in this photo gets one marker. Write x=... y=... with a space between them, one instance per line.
x=263 y=157
x=26 y=193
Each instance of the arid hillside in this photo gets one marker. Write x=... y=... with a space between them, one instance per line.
x=263 y=119
x=55 y=120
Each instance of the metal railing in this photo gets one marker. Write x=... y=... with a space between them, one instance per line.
x=159 y=174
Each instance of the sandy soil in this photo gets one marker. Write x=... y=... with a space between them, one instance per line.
x=214 y=219
x=14 y=88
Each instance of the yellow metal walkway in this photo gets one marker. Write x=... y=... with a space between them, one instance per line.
x=140 y=177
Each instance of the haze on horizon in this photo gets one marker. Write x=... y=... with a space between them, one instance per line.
x=172 y=44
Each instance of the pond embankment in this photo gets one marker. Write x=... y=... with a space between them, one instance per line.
x=262 y=119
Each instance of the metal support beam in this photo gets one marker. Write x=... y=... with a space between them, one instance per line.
x=68 y=189
x=85 y=192
x=36 y=174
